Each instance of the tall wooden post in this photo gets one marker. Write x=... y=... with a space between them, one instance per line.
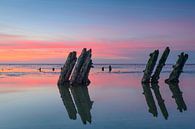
x=82 y=69
x=177 y=69
x=150 y=66
x=67 y=68
x=160 y=65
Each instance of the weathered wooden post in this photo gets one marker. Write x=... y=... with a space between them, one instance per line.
x=160 y=65
x=150 y=66
x=85 y=69
x=82 y=69
x=67 y=68
x=177 y=69
x=78 y=65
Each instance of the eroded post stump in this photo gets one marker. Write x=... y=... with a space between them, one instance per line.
x=177 y=69
x=82 y=69
x=150 y=66
x=67 y=68
x=160 y=65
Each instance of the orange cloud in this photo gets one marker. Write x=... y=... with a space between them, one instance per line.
x=18 y=49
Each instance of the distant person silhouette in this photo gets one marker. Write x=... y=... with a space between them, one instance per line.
x=53 y=69
x=110 y=68
x=39 y=69
x=102 y=68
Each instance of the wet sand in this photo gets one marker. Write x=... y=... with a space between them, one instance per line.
x=30 y=99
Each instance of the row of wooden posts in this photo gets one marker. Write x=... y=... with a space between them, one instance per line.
x=72 y=85
x=81 y=68
x=76 y=71
x=174 y=75
x=74 y=79
x=150 y=81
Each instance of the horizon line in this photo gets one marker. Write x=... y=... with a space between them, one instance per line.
x=93 y=64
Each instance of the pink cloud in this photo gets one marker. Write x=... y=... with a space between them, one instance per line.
x=17 y=48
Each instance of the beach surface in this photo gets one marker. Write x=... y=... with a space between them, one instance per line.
x=31 y=99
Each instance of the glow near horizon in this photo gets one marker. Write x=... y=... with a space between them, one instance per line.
x=37 y=31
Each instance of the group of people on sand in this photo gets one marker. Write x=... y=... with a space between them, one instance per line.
x=40 y=69
x=109 y=68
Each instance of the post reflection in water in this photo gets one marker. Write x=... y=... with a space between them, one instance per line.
x=160 y=100
x=67 y=100
x=177 y=95
x=149 y=99
x=76 y=99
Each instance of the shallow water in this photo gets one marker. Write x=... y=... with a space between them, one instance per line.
x=31 y=99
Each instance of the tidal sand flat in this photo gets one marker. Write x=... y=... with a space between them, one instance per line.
x=31 y=99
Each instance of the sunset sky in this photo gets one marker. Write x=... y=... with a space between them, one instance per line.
x=118 y=31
